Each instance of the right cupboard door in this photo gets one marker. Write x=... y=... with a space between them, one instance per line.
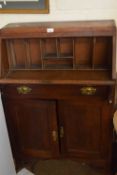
x=85 y=130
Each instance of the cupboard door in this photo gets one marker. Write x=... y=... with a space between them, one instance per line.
x=85 y=129
x=33 y=127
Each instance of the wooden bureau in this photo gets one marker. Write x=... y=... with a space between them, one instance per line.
x=58 y=85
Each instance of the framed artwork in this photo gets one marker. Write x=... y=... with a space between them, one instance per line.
x=24 y=6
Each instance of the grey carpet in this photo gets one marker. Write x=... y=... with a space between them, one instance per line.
x=63 y=167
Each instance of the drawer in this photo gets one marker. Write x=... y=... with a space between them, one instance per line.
x=57 y=91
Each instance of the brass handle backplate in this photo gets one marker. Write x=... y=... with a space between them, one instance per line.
x=61 y=132
x=88 y=90
x=24 y=89
x=54 y=136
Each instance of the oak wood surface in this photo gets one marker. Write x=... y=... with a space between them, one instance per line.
x=55 y=67
x=32 y=123
x=83 y=130
x=79 y=45
x=63 y=28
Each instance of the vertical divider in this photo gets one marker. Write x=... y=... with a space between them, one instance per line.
x=73 y=47
x=40 y=46
x=28 y=57
x=93 y=52
x=13 y=55
x=58 y=47
x=42 y=55
x=9 y=54
x=113 y=67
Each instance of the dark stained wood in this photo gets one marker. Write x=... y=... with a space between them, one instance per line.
x=83 y=51
x=49 y=47
x=19 y=49
x=32 y=122
x=114 y=57
x=57 y=77
x=59 y=92
x=84 y=126
x=92 y=47
x=54 y=67
x=102 y=52
x=4 y=62
x=66 y=47
x=58 y=63
x=35 y=53
x=76 y=28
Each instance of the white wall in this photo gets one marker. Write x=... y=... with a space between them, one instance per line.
x=68 y=10
x=6 y=161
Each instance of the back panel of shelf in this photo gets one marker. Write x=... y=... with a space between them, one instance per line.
x=84 y=53
x=60 y=53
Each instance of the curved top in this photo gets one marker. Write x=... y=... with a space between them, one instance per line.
x=76 y=28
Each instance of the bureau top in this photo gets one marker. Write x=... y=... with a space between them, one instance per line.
x=72 y=28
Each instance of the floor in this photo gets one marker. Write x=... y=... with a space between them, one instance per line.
x=59 y=167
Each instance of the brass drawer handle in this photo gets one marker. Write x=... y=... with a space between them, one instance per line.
x=88 y=90
x=24 y=89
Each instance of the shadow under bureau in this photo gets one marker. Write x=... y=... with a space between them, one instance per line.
x=58 y=85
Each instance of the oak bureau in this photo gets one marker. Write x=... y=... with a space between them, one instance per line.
x=58 y=85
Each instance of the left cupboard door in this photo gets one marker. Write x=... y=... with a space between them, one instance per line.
x=32 y=127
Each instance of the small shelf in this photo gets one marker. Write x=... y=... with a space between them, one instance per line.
x=53 y=57
x=58 y=57
x=83 y=67
x=58 y=77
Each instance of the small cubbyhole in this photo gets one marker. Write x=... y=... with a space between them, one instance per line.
x=49 y=48
x=16 y=49
x=35 y=55
x=83 y=52
x=102 y=53
x=24 y=53
x=57 y=53
x=58 y=63
x=66 y=47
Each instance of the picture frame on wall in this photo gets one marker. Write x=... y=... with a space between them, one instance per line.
x=24 y=6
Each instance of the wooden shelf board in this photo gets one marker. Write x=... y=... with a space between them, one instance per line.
x=58 y=77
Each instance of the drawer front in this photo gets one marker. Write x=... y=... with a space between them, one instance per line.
x=57 y=91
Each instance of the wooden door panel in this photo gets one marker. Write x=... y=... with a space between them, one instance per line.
x=33 y=122
x=83 y=126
